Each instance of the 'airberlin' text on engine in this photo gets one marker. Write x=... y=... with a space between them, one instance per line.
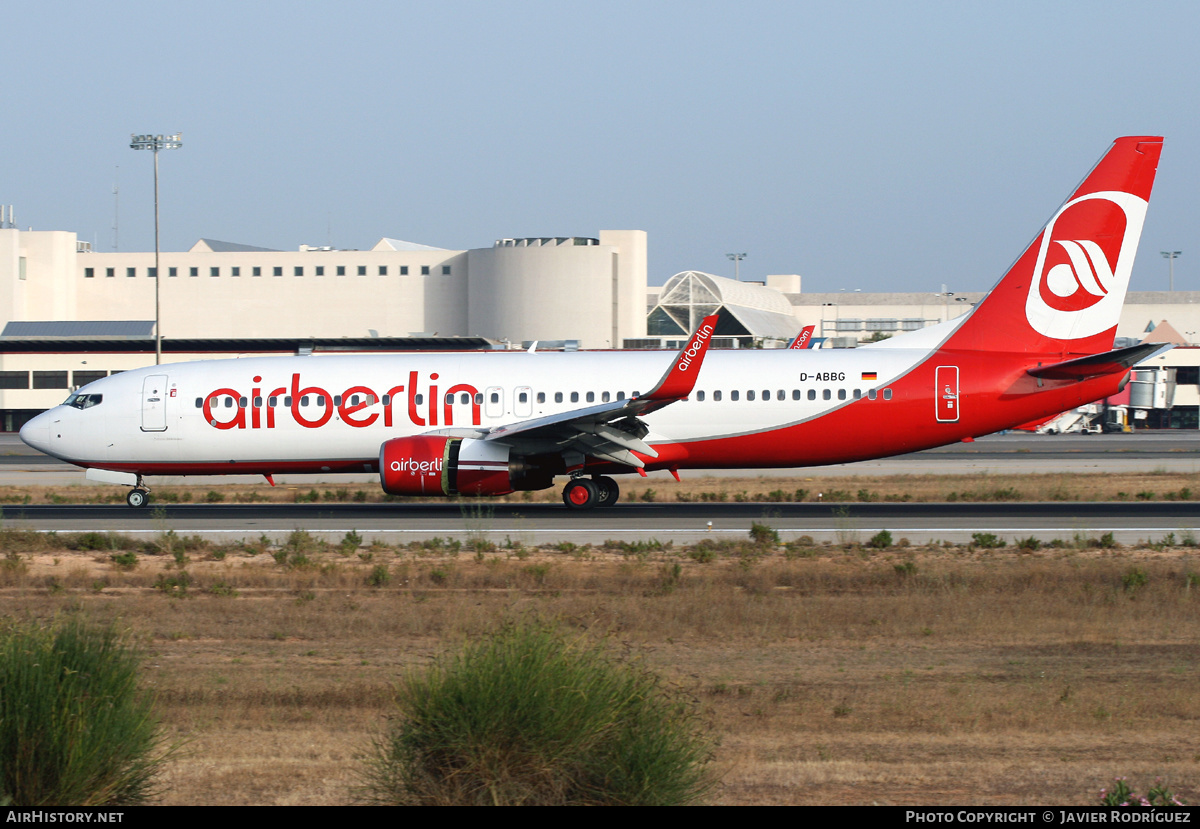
x=359 y=406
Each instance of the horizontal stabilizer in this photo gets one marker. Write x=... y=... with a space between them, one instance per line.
x=1095 y=365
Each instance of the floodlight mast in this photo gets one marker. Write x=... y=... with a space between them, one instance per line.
x=1171 y=256
x=156 y=143
x=737 y=261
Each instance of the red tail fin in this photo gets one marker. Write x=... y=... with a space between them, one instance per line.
x=803 y=338
x=1064 y=294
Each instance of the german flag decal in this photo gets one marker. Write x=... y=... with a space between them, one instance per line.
x=870 y=375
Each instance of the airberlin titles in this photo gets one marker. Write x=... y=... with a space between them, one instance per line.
x=356 y=406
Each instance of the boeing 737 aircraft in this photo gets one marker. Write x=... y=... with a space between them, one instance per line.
x=495 y=422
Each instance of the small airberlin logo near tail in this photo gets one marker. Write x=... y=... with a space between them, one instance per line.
x=1083 y=265
x=694 y=348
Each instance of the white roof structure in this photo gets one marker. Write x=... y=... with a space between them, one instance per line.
x=399 y=244
x=746 y=309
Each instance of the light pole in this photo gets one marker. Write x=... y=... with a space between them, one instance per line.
x=156 y=143
x=737 y=261
x=1171 y=256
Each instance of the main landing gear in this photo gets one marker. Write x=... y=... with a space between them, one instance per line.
x=139 y=496
x=585 y=493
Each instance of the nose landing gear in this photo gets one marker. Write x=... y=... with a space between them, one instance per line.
x=139 y=496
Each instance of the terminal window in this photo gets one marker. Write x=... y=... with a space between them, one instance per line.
x=14 y=379
x=362 y=270
x=50 y=380
x=445 y=270
x=424 y=270
x=404 y=270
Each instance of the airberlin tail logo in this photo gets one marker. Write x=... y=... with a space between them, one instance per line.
x=1080 y=282
x=1083 y=265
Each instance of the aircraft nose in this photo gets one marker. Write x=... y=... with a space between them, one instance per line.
x=36 y=433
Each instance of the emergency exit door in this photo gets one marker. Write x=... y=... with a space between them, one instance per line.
x=946 y=394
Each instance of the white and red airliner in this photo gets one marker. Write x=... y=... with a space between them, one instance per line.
x=491 y=423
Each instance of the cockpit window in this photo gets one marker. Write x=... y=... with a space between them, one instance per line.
x=84 y=401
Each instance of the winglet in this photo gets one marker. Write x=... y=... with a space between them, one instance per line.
x=680 y=378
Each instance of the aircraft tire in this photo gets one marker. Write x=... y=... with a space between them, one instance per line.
x=608 y=491
x=137 y=498
x=581 y=494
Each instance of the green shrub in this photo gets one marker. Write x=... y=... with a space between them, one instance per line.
x=528 y=716
x=74 y=728
x=763 y=535
x=881 y=540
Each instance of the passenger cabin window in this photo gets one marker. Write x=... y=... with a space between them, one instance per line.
x=887 y=394
x=558 y=398
x=717 y=396
x=591 y=397
x=700 y=397
x=750 y=394
x=733 y=395
x=574 y=397
x=826 y=395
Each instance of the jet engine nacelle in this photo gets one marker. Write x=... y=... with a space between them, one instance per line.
x=436 y=465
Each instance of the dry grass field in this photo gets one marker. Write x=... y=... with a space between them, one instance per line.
x=832 y=674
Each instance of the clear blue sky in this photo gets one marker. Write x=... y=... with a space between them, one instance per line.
x=863 y=145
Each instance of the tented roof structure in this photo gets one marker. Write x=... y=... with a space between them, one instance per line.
x=745 y=309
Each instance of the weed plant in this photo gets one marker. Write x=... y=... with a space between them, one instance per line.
x=74 y=728
x=526 y=716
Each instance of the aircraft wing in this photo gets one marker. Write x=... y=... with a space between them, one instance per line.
x=613 y=431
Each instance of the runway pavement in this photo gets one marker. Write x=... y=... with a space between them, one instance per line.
x=541 y=523
x=548 y=523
